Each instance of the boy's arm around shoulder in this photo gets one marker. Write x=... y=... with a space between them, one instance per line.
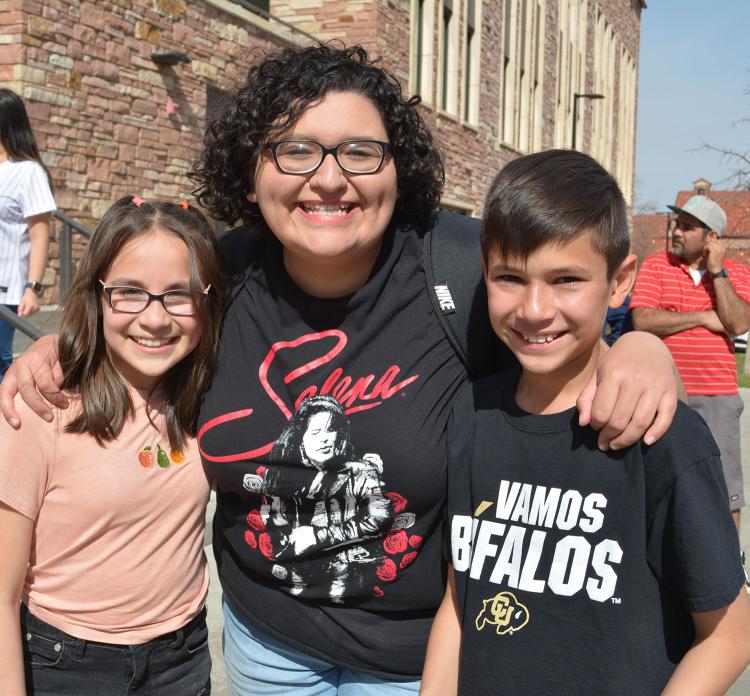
x=719 y=653
x=440 y=676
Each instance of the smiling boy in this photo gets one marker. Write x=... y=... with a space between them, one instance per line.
x=576 y=571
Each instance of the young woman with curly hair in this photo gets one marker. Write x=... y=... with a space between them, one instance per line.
x=336 y=178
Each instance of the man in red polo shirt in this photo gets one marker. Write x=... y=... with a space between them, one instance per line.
x=697 y=301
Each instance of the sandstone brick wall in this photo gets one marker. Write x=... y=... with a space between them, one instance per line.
x=109 y=121
x=475 y=154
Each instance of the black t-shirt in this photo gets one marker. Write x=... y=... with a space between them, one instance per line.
x=328 y=530
x=576 y=569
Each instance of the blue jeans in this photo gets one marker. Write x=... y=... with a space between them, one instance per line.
x=57 y=664
x=6 y=343
x=258 y=665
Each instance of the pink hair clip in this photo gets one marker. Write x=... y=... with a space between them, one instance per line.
x=137 y=201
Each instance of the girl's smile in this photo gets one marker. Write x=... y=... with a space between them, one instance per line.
x=144 y=346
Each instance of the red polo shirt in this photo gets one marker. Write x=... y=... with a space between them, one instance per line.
x=704 y=359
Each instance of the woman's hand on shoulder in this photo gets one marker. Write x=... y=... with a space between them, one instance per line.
x=36 y=376
x=633 y=393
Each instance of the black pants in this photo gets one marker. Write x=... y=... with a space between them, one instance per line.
x=57 y=664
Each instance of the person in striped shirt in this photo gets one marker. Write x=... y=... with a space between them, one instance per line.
x=697 y=300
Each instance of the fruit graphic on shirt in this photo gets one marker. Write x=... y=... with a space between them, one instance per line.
x=161 y=458
x=146 y=458
x=176 y=456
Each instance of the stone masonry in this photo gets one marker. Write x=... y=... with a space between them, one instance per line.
x=111 y=122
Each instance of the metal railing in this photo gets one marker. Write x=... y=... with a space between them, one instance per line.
x=19 y=323
x=68 y=228
x=65 y=240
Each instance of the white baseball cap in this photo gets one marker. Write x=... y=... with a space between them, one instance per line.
x=706 y=211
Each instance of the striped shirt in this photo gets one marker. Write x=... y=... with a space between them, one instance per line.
x=24 y=192
x=704 y=359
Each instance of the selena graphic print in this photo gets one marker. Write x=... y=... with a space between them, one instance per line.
x=320 y=507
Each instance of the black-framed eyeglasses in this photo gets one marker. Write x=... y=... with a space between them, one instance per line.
x=305 y=156
x=130 y=300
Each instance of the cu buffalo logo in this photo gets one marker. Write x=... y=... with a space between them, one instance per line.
x=504 y=612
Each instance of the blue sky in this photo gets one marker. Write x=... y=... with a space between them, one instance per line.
x=693 y=85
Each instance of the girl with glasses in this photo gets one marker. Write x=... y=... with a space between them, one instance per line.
x=101 y=526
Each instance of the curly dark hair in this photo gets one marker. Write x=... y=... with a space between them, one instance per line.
x=278 y=90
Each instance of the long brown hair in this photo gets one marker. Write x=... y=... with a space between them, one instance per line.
x=84 y=359
x=16 y=135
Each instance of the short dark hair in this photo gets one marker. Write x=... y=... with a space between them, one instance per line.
x=278 y=90
x=84 y=359
x=553 y=196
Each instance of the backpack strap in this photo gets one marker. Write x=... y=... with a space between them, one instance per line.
x=240 y=249
x=453 y=272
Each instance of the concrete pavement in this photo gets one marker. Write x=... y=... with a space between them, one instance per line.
x=215 y=622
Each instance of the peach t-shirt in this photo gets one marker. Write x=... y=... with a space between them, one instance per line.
x=117 y=551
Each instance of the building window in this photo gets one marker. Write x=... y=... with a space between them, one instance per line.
x=625 y=151
x=508 y=73
x=537 y=88
x=571 y=70
x=522 y=131
x=602 y=126
x=472 y=55
x=253 y=5
x=422 y=42
x=448 y=58
x=530 y=55
x=522 y=68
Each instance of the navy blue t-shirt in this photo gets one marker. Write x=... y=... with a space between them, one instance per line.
x=576 y=569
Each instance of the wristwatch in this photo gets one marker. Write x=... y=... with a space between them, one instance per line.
x=723 y=273
x=36 y=287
